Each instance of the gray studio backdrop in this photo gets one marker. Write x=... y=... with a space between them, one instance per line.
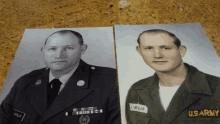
x=131 y=67
x=28 y=57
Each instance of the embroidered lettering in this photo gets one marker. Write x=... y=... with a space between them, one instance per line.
x=138 y=107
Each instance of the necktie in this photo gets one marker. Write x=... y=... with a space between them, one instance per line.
x=53 y=90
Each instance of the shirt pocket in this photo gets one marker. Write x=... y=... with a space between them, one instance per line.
x=139 y=117
x=70 y=120
x=79 y=119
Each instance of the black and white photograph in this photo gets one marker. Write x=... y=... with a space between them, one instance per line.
x=167 y=73
x=63 y=75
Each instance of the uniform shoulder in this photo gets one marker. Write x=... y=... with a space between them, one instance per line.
x=212 y=78
x=24 y=81
x=103 y=70
x=34 y=73
x=141 y=83
x=214 y=83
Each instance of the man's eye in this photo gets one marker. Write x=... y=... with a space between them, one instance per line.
x=166 y=48
x=52 y=48
x=70 y=48
x=148 y=48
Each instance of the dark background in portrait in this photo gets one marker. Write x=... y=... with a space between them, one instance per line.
x=131 y=67
x=28 y=57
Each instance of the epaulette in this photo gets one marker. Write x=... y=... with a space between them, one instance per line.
x=35 y=72
x=103 y=70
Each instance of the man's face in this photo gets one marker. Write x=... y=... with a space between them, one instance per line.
x=159 y=52
x=62 y=52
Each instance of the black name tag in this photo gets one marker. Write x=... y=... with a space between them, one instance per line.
x=18 y=115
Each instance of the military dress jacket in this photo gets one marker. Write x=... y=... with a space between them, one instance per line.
x=89 y=97
x=197 y=101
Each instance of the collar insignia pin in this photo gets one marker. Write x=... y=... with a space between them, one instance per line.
x=38 y=82
x=80 y=83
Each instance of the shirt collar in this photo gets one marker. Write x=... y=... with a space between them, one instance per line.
x=195 y=81
x=63 y=79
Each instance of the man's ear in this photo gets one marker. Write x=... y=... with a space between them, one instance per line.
x=42 y=48
x=83 y=48
x=182 y=50
x=138 y=49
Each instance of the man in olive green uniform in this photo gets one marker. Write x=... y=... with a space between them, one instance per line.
x=177 y=92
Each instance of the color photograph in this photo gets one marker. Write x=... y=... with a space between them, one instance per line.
x=168 y=73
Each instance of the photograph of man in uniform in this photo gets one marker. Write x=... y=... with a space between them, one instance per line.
x=67 y=91
x=174 y=89
x=177 y=92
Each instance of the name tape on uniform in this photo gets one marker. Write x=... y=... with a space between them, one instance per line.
x=84 y=112
x=138 y=107
x=18 y=114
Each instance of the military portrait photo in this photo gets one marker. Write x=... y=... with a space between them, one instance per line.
x=168 y=74
x=62 y=76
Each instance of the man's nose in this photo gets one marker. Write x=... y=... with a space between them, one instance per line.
x=157 y=53
x=60 y=53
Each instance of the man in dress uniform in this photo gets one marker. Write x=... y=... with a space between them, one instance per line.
x=177 y=93
x=68 y=91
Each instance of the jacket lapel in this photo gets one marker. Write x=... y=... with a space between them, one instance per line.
x=150 y=97
x=191 y=91
x=181 y=100
x=37 y=94
x=71 y=93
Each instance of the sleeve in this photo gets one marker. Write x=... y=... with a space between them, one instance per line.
x=6 y=107
x=114 y=113
x=127 y=107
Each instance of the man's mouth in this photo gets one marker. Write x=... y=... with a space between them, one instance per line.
x=58 y=61
x=159 y=62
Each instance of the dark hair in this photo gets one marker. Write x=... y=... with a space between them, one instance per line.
x=78 y=35
x=176 y=40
